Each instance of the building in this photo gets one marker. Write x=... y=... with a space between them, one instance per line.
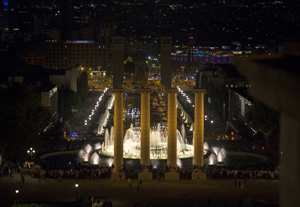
x=49 y=98
x=65 y=77
x=289 y=48
x=93 y=57
x=10 y=20
x=239 y=103
x=33 y=58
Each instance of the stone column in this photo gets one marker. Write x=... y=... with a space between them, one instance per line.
x=199 y=127
x=172 y=127
x=145 y=126
x=118 y=129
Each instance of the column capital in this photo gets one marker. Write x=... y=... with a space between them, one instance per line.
x=199 y=90
x=118 y=90
x=144 y=90
x=172 y=90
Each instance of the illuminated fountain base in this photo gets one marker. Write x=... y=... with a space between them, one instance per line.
x=158 y=144
x=158 y=149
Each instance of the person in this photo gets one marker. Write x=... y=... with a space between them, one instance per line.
x=119 y=178
x=98 y=202
x=92 y=199
x=209 y=201
x=140 y=182
x=245 y=179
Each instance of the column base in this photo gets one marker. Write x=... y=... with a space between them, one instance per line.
x=198 y=176
x=115 y=176
x=145 y=176
x=172 y=175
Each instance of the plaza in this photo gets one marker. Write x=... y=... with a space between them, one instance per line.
x=165 y=193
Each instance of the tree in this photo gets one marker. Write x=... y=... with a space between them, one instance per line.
x=72 y=99
x=22 y=119
x=262 y=118
x=82 y=86
x=266 y=120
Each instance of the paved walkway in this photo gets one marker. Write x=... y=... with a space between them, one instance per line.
x=166 y=193
x=77 y=121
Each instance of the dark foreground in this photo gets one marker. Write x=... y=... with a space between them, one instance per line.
x=165 y=193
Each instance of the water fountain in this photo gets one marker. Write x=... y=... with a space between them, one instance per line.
x=104 y=117
x=111 y=136
x=94 y=159
x=97 y=146
x=158 y=144
x=183 y=134
x=158 y=148
x=106 y=137
x=192 y=127
x=217 y=154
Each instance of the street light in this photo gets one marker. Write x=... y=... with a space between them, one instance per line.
x=76 y=185
x=17 y=200
x=31 y=152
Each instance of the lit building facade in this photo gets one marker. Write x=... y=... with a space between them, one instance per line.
x=93 y=57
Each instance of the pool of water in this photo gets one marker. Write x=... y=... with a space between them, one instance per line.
x=230 y=158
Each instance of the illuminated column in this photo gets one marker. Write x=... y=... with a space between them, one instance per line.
x=172 y=126
x=199 y=127
x=118 y=129
x=145 y=126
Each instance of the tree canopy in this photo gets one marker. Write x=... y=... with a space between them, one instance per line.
x=82 y=86
x=266 y=120
x=22 y=119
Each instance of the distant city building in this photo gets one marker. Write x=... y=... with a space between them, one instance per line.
x=289 y=48
x=10 y=20
x=90 y=55
x=33 y=58
x=107 y=31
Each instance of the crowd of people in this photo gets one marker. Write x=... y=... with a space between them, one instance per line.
x=64 y=170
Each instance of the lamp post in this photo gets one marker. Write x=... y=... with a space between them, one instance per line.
x=76 y=186
x=31 y=152
x=17 y=200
